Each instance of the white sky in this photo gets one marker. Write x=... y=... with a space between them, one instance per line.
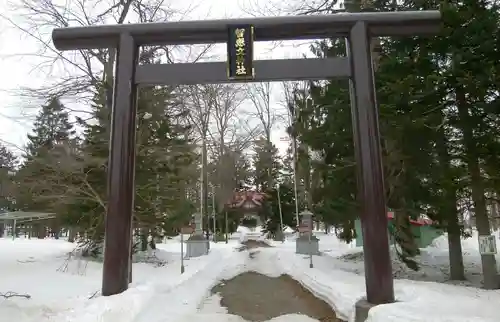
x=19 y=69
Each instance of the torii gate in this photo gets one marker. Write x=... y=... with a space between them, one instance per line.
x=239 y=34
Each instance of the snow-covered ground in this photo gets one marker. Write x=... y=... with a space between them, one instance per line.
x=64 y=293
x=433 y=261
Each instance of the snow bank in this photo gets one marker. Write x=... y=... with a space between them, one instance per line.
x=176 y=295
x=164 y=295
x=417 y=301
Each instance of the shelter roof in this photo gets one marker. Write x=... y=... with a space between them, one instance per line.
x=25 y=215
x=421 y=221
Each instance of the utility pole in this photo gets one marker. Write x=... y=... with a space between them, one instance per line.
x=227 y=226
x=204 y=185
x=213 y=215
x=282 y=234
x=294 y=168
x=307 y=179
x=295 y=187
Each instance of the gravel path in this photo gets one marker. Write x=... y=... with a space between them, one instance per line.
x=256 y=297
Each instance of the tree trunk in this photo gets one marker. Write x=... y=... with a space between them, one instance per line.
x=490 y=278
x=154 y=237
x=71 y=235
x=403 y=235
x=57 y=232
x=455 y=249
x=449 y=209
x=42 y=233
x=494 y=213
x=144 y=239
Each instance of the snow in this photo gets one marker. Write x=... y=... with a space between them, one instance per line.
x=67 y=290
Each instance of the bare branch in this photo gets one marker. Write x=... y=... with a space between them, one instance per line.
x=76 y=74
x=260 y=96
x=14 y=294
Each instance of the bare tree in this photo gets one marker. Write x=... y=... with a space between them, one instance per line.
x=280 y=8
x=199 y=110
x=226 y=137
x=79 y=74
x=290 y=90
x=260 y=96
x=59 y=177
x=82 y=74
x=213 y=114
x=226 y=100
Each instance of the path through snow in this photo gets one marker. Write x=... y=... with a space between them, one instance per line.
x=162 y=294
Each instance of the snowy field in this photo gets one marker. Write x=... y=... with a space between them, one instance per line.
x=65 y=290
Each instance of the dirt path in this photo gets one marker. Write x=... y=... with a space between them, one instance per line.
x=251 y=244
x=256 y=297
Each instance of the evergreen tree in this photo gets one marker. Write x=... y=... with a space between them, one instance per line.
x=324 y=126
x=86 y=212
x=271 y=209
x=451 y=89
x=164 y=153
x=438 y=117
x=8 y=164
x=266 y=164
x=41 y=175
x=471 y=85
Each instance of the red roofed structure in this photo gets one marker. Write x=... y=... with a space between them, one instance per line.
x=422 y=228
x=248 y=203
x=422 y=221
x=250 y=200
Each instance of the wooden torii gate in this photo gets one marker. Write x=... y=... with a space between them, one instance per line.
x=239 y=34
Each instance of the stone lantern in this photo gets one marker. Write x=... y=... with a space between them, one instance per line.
x=197 y=244
x=306 y=243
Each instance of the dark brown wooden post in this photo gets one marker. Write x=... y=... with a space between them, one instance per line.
x=370 y=178
x=121 y=170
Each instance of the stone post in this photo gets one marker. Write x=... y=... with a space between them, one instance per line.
x=307 y=243
x=198 y=224
x=197 y=244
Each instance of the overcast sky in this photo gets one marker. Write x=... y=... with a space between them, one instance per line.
x=18 y=69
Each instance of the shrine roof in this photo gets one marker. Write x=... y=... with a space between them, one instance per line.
x=241 y=197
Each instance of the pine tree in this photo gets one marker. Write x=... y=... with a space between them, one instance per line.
x=472 y=87
x=438 y=116
x=86 y=212
x=162 y=175
x=271 y=209
x=451 y=80
x=41 y=174
x=8 y=164
x=164 y=154
x=324 y=126
x=266 y=165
